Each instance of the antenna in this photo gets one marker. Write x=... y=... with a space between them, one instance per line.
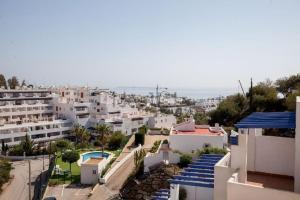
x=242 y=87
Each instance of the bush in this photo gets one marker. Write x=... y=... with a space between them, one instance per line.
x=116 y=140
x=182 y=194
x=165 y=141
x=185 y=159
x=97 y=143
x=16 y=150
x=139 y=139
x=155 y=146
x=143 y=129
x=211 y=150
x=5 y=167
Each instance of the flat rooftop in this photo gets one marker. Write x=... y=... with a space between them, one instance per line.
x=93 y=161
x=199 y=131
x=271 y=181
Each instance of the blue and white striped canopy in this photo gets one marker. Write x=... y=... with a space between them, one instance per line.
x=268 y=120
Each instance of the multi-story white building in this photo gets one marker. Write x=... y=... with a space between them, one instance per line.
x=30 y=111
x=107 y=107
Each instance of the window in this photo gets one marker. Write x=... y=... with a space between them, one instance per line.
x=94 y=171
x=98 y=110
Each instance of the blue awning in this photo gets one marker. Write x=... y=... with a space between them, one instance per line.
x=268 y=120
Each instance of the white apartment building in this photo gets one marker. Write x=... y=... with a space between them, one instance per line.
x=107 y=107
x=162 y=121
x=29 y=111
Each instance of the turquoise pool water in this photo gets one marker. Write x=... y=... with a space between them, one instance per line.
x=94 y=154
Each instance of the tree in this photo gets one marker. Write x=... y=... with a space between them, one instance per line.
x=103 y=130
x=139 y=161
x=70 y=157
x=116 y=140
x=13 y=82
x=200 y=119
x=3 y=81
x=27 y=145
x=62 y=144
x=286 y=84
x=4 y=147
x=82 y=136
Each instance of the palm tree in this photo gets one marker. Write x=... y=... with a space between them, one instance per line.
x=103 y=131
x=76 y=132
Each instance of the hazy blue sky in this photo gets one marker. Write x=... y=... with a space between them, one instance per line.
x=182 y=43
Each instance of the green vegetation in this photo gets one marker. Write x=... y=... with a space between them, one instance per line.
x=165 y=141
x=81 y=135
x=166 y=110
x=108 y=166
x=139 y=138
x=200 y=118
x=103 y=130
x=65 y=166
x=155 y=146
x=182 y=193
x=70 y=157
x=143 y=129
x=5 y=167
x=139 y=162
x=185 y=159
x=211 y=150
x=25 y=146
x=263 y=97
x=117 y=140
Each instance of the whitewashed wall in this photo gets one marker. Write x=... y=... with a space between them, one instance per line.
x=152 y=159
x=238 y=191
x=273 y=155
x=198 y=193
x=222 y=173
x=188 y=143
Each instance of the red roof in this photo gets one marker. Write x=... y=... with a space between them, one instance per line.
x=199 y=131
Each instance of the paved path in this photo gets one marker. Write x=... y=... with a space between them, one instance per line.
x=66 y=192
x=18 y=189
x=116 y=181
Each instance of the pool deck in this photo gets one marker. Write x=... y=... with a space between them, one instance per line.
x=81 y=156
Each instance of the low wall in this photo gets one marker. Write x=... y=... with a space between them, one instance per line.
x=198 y=193
x=238 y=191
x=222 y=173
x=152 y=159
x=188 y=143
x=118 y=165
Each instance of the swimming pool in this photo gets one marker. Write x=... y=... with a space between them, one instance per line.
x=94 y=154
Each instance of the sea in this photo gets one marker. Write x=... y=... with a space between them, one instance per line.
x=202 y=93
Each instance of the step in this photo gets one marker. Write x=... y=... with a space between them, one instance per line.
x=201 y=166
x=208 y=171
x=197 y=174
x=194 y=178
x=192 y=183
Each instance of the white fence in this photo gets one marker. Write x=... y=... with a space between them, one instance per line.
x=118 y=165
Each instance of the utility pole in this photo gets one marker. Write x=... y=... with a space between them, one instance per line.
x=29 y=179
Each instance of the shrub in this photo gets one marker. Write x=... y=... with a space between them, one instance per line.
x=165 y=141
x=139 y=139
x=211 y=150
x=155 y=146
x=143 y=129
x=97 y=143
x=116 y=140
x=185 y=159
x=182 y=194
x=5 y=167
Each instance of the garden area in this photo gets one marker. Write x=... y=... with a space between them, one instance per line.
x=5 y=167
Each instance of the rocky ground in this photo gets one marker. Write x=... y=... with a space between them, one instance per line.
x=144 y=187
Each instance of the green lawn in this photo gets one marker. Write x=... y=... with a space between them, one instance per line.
x=60 y=179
